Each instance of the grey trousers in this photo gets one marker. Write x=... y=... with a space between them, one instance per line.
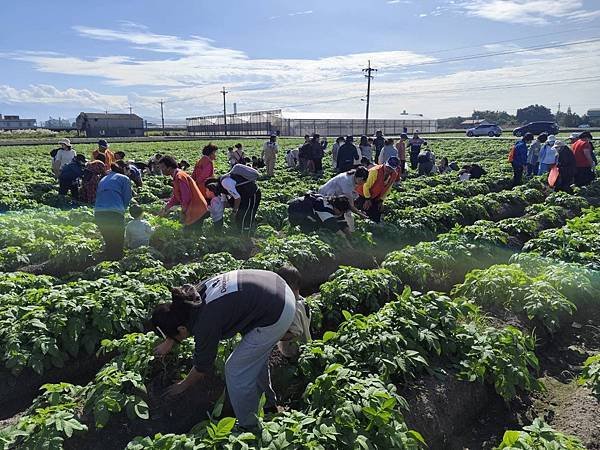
x=247 y=369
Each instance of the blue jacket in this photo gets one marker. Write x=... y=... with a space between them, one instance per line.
x=347 y=153
x=114 y=193
x=520 y=158
x=71 y=172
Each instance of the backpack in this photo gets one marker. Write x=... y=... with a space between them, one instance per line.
x=246 y=172
x=511 y=154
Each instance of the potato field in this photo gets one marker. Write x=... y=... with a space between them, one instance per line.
x=470 y=318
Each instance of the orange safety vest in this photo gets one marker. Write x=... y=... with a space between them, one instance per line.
x=197 y=207
x=381 y=185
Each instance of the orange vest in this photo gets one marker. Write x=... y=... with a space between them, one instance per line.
x=580 y=159
x=197 y=206
x=381 y=185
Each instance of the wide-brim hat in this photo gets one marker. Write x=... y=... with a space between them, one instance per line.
x=65 y=141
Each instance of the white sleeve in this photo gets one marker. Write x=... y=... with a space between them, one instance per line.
x=229 y=184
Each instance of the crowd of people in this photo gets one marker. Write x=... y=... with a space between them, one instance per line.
x=573 y=163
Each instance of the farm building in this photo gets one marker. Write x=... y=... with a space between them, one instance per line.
x=110 y=125
x=16 y=123
x=298 y=124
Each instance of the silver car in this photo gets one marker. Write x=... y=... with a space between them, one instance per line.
x=487 y=129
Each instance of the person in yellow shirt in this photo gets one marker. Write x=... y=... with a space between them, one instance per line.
x=379 y=182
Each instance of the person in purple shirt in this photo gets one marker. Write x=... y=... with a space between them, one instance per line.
x=112 y=200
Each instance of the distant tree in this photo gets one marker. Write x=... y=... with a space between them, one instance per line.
x=534 y=113
x=451 y=123
x=498 y=117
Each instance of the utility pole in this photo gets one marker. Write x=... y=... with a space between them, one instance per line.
x=162 y=116
x=130 y=110
x=224 y=92
x=368 y=75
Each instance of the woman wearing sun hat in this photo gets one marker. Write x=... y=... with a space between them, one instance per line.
x=64 y=155
x=547 y=156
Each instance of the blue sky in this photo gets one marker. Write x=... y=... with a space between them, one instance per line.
x=60 y=58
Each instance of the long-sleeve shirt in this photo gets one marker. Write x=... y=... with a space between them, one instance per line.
x=533 y=153
x=547 y=155
x=346 y=156
x=401 y=148
x=203 y=170
x=114 y=193
x=386 y=153
x=187 y=194
x=71 y=172
x=520 y=156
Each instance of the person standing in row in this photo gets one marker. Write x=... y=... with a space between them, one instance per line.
x=365 y=148
x=269 y=154
x=317 y=152
x=185 y=193
x=334 y=151
x=112 y=200
x=257 y=304
x=519 y=158
x=387 y=151
x=415 y=148
x=379 y=182
x=347 y=154
x=63 y=156
x=109 y=156
x=378 y=142
x=204 y=168
x=547 y=156
x=533 y=154
x=565 y=161
x=401 y=149
x=584 y=160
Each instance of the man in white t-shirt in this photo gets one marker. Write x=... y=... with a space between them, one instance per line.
x=63 y=157
x=345 y=184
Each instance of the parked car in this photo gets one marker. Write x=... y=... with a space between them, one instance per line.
x=537 y=128
x=488 y=129
x=584 y=125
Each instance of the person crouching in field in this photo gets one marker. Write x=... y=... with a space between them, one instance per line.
x=255 y=303
x=138 y=231
x=185 y=193
x=313 y=211
x=379 y=182
x=299 y=331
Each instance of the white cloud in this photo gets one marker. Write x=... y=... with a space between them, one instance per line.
x=533 y=12
x=300 y=13
x=46 y=94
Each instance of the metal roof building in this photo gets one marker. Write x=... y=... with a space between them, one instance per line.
x=16 y=123
x=299 y=124
x=110 y=125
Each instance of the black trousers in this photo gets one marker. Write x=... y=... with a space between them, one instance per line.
x=518 y=175
x=66 y=186
x=414 y=156
x=246 y=215
x=374 y=211
x=583 y=176
x=318 y=162
x=112 y=228
x=565 y=180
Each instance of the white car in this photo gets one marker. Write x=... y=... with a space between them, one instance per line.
x=487 y=129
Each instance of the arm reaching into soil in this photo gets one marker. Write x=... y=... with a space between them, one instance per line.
x=193 y=377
